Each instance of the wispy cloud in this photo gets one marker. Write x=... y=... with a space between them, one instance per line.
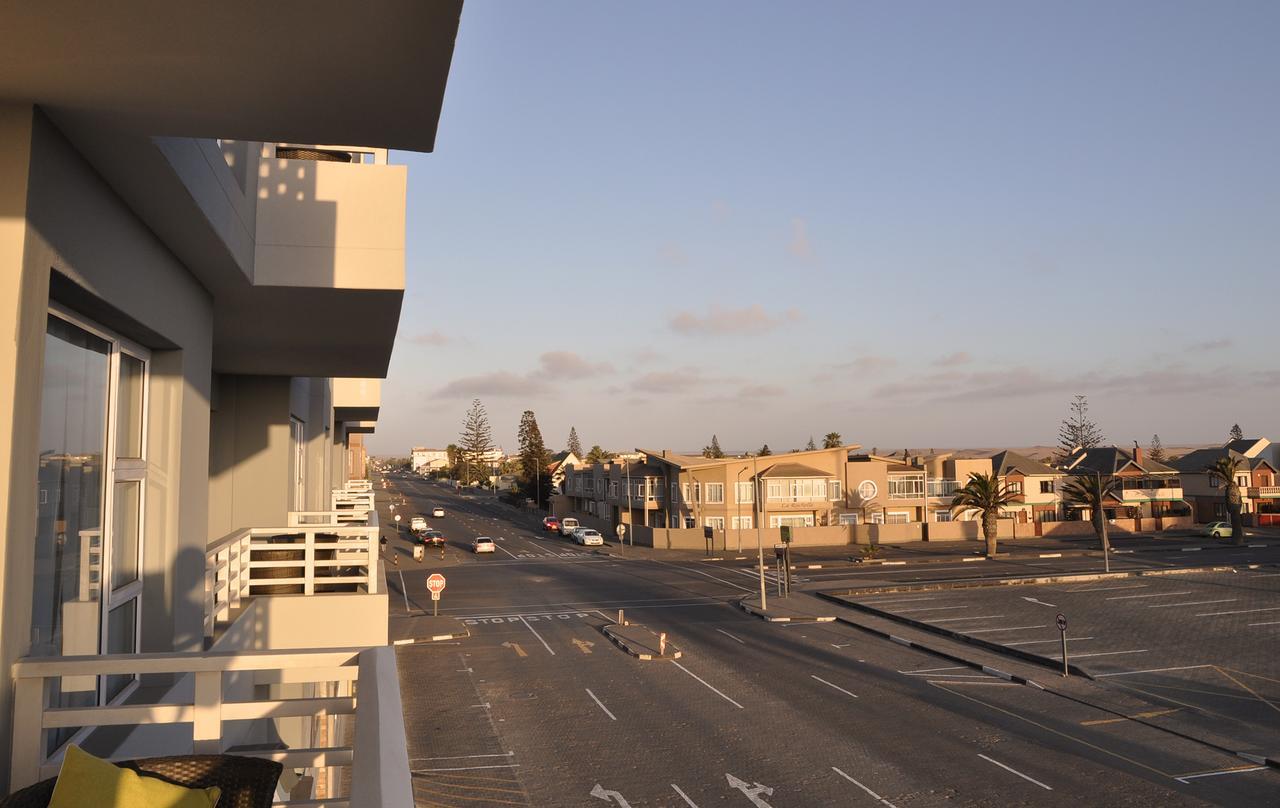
x=434 y=338
x=952 y=360
x=681 y=380
x=551 y=366
x=672 y=253
x=1211 y=345
x=757 y=391
x=867 y=364
x=569 y=365
x=731 y=321
x=800 y=246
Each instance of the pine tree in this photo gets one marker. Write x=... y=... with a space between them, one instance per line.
x=832 y=440
x=1156 y=450
x=534 y=479
x=810 y=446
x=1078 y=431
x=1236 y=432
x=475 y=441
x=575 y=445
x=765 y=451
x=714 y=449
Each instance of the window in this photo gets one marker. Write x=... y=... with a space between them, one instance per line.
x=1214 y=482
x=741 y=523
x=877 y=518
x=1046 y=486
x=689 y=521
x=942 y=516
x=697 y=492
x=298 y=463
x=897 y=518
x=906 y=487
x=1242 y=480
x=867 y=490
x=1219 y=510
x=675 y=493
x=850 y=519
x=715 y=494
x=1013 y=487
x=714 y=522
x=684 y=492
x=746 y=493
x=792 y=520
x=613 y=489
x=833 y=490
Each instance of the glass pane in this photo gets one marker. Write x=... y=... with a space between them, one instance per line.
x=122 y=638
x=129 y=409
x=125 y=533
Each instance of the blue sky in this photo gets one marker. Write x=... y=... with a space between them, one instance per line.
x=915 y=224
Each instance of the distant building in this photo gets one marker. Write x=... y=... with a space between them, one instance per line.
x=422 y=459
x=1146 y=489
x=1255 y=476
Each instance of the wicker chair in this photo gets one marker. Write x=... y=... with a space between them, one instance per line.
x=245 y=782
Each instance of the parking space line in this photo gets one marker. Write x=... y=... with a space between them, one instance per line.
x=1045 y=642
x=684 y=796
x=730 y=636
x=874 y=795
x=1268 y=623
x=1015 y=771
x=1240 y=611
x=1192 y=603
x=898 y=600
x=1103 y=653
x=600 y=704
x=931 y=609
x=837 y=687
x=1156 y=595
x=1185 y=778
x=709 y=687
x=1152 y=670
x=1012 y=628
x=957 y=619
x=536 y=634
x=933 y=670
x=1109 y=588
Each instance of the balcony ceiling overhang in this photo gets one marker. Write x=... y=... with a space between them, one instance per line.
x=372 y=73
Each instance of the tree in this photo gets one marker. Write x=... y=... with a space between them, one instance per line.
x=534 y=479
x=832 y=440
x=985 y=494
x=1078 y=430
x=1223 y=470
x=575 y=445
x=598 y=455
x=475 y=441
x=714 y=449
x=1091 y=491
x=1156 y=450
x=765 y=451
x=1236 y=432
x=810 y=446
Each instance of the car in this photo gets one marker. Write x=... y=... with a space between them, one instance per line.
x=433 y=537
x=567 y=526
x=1218 y=530
x=483 y=544
x=551 y=523
x=437 y=512
x=418 y=524
x=586 y=536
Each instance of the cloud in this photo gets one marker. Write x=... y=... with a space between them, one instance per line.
x=644 y=356
x=434 y=338
x=866 y=364
x=681 y=380
x=799 y=245
x=731 y=321
x=672 y=253
x=951 y=360
x=1211 y=345
x=569 y=365
x=499 y=384
x=755 y=391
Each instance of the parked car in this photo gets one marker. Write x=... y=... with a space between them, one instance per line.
x=1218 y=530
x=567 y=526
x=483 y=544
x=437 y=512
x=586 y=536
x=418 y=524
x=433 y=537
x=551 y=523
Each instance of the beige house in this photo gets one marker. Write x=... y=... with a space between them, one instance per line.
x=200 y=286
x=1256 y=478
x=1147 y=489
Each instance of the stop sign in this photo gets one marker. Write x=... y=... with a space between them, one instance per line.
x=435 y=582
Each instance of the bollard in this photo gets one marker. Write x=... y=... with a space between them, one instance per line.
x=662 y=644
x=622 y=620
x=395 y=560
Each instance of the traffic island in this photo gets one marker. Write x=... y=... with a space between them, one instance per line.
x=798 y=608
x=641 y=642
x=427 y=628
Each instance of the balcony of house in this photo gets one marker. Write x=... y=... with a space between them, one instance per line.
x=800 y=494
x=943 y=489
x=357 y=401
x=905 y=487
x=296 y=669
x=1149 y=489
x=1264 y=492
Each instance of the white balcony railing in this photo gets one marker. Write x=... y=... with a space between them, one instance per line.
x=348 y=499
x=210 y=690
x=1264 y=492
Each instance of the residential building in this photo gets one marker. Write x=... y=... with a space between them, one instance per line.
x=1146 y=490
x=200 y=287
x=422 y=459
x=560 y=463
x=1034 y=487
x=1255 y=477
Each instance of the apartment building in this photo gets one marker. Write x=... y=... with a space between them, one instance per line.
x=202 y=287
x=1255 y=477
x=422 y=459
x=1147 y=489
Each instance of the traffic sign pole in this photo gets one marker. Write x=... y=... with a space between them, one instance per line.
x=1062 y=627
x=436 y=584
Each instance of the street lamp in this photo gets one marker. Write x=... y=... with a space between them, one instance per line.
x=737 y=498
x=759 y=531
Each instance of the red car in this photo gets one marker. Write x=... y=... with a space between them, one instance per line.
x=551 y=523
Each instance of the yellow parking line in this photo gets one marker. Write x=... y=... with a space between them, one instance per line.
x=1148 y=714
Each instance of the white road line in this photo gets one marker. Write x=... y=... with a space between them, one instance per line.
x=932 y=670
x=539 y=636
x=895 y=600
x=1107 y=588
x=957 y=619
x=1013 y=628
x=1101 y=653
x=1268 y=623
x=1015 y=771
x=931 y=609
x=874 y=795
x=1152 y=670
x=1192 y=603
x=461 y=757
x=1216 y=774
x=730 y=636
x=1045 y=642
x=470 y=768
x=1157 y=595
x=709 y=687
x=684 y=796
x=600 y=704
x=837 y=687
x=505 y=550
x=703 y=574
x=1240 y=611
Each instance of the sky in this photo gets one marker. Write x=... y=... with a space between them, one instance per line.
x=915 y=224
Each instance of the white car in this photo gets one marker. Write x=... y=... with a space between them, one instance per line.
x=567 y=526
x=418 y=524
x=437 y=512
x=483 y=544
x=1218 y=530
x=587 y=537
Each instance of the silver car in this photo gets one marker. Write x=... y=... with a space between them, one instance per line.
x=588 y=537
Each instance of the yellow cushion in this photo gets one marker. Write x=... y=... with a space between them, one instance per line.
x=86 y=781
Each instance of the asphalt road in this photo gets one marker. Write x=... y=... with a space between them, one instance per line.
x=538 y=708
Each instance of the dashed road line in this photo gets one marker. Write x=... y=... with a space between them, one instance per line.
x=708 y=686
x=730 y=636
x=837 y=687
x=1015 y=771
x=684 y=796
x=536 y=634
x=1157 y=595
x=600 y=704
x=874 y=795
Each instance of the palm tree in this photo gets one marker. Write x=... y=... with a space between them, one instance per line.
x=984 y=493
x=1224 y=471
x=1091 y=491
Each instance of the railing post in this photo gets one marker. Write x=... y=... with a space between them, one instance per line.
x=309 y=562
x=207 y=718
x=372 y=537
x=28 y=736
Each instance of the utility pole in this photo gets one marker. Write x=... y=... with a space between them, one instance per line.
x=759 y=531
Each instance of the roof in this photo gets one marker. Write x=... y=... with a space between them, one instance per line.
x=1006 y=462
x=1249 y=447
x=793 y=470
x=890 y=463
x=1196 y=462
x=682 y=461
x=1110 y=459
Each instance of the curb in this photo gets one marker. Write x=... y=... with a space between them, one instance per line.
x=978 y=583
x=673 y=652
x=742 y=604
x=466 y=632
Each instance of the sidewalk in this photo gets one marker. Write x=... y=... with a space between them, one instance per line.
x=796 y=608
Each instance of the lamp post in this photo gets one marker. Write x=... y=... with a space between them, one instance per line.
x=737 y=498
x=759 y=531
x=1102 y=524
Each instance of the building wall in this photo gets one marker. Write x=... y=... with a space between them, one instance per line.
x=249 y=454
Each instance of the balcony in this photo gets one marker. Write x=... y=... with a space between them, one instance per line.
x=1150 y=494
x=943 y=489
x=1264 y=492
x=356 y=400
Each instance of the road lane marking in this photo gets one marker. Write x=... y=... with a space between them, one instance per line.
x=874 y=795
x=932 y=670
x=1268 y=623
x=1108 y=588
x=515 y=646
x=1152 y=670
x=1242 y=770
x=461 y=757
x=837 y=687
x=469 y=768
x=536 y=634
x=1045 y=642
x=709 y=687
x=1149 y=714
x=931 y=609
x=600 y=704
x=1103 y=653
x=602 y=793
x=1015 y=771
x=1191 y=603
x=505 y=550
x=751 y=792
x=584 y=646
x=730 y=636
x=1040 y=602
x=700 y=572
x=971 y=617
x=684 y=796
x=1157 y=595
x=897 y=600
x=1012 y=628
x=1240 y=611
